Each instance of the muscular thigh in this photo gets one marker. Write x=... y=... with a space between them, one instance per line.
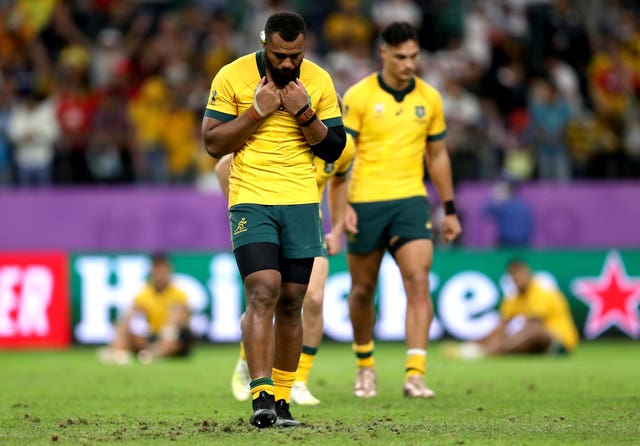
x=364 y=269
x=415 y=257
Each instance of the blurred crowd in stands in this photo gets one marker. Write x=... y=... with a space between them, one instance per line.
x=113 y=91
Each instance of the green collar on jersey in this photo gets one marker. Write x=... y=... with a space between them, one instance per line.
x=260 y=62
x=398 y=95
x=262 y=69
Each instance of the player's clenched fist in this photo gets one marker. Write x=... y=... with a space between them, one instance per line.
x=267 y=98
x=294 y=96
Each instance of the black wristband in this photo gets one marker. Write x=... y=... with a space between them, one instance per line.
x=309 y=121
x=449 y=207
x=302 y=110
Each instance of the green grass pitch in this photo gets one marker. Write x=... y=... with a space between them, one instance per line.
x=67 y=397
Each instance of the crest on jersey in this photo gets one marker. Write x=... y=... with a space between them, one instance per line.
x=420 y=111
x=328 y=167
x=213 y=97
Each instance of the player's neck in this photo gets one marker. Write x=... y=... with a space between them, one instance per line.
x=395 y=83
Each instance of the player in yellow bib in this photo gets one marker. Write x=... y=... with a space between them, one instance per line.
x=397 y=121
x=335 y=176
x=274 y=111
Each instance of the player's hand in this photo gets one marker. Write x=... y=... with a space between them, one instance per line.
x=294 y=96
x=267 y=98
x=350 y=220
x=334 y=243
x=451 y=228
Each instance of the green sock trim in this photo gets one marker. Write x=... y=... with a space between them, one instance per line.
x=309 y=350
x=365 y=355
x=261 y=382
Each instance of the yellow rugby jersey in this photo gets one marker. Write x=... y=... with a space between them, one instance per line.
x=275 y=165
x=341 y=167
x=391 y=129
x=156 y=305
x=549 y=306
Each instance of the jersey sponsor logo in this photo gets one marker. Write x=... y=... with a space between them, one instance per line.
x=328 y=167
x=378 y=109
x=213 y=97
x=420 y=111
x=242 y=226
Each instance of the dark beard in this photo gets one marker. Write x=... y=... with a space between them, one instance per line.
x=279 y=77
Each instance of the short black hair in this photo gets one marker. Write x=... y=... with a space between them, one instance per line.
x=288 y=25
x=399 y=32
x=517 y=262
x=158 y=258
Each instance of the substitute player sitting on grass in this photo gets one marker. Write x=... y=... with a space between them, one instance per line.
x=536 y=319
x=156 y=325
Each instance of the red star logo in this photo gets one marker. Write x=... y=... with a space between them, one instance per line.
x=612 y=298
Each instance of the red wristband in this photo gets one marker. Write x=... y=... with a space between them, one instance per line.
x=253 y=115
x=306 y=115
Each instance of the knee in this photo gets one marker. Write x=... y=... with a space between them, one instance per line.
x=362 y=293
x=313 y=301
x=416 y=282
x=262 y=296
x=289 y=307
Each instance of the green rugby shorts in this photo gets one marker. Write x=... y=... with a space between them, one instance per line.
x=379 y=221
x=295 y=228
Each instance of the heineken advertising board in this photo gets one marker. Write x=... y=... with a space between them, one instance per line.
x=602 y=287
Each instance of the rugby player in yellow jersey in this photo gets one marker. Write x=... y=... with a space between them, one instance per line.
x=535 y=319
x=274 y=111
x=397 y=121
x=156 y=325
x=335 y=175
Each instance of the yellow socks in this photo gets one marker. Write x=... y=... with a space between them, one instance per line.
x=283 y=381
x=306 y=363
x=416 y=362
x=259 y=385
x=364 y=354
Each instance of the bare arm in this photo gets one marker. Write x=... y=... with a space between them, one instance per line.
x=439 y=166
x=178 y=316
x=337 y=199
x=223 y=170
x=221 y=138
